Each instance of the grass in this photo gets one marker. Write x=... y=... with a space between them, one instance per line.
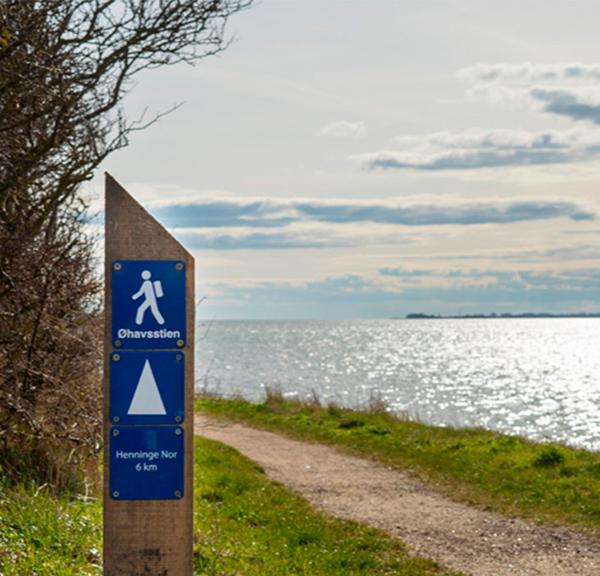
x=244 y=525
x=545 y=482
x=249 y=525
x=46 y=535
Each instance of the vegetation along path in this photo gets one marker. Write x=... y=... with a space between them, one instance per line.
x=459 y=536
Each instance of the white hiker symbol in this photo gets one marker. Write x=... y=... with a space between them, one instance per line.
x=151 y=291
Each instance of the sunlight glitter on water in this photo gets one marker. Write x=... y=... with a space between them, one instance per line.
x=538 y=378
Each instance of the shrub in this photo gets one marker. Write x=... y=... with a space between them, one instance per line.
x=549 y=457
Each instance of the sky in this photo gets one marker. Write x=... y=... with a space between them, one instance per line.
x=373 y=158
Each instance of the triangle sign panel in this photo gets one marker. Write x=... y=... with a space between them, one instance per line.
x=146 y=399
x=147 y=387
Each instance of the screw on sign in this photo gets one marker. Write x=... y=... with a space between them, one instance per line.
x=148 y=389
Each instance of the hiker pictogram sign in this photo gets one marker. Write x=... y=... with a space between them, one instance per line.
x=148 y=304
x=147 y=387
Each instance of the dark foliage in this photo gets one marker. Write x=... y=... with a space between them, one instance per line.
x=65 y=66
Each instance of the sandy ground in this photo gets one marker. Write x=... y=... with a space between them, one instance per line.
x=458 y=536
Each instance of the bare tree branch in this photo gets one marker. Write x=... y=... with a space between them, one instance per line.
x=65 y=66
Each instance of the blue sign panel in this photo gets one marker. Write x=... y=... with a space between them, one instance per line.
x=146 y=463
x=147 y=387
x=148 y=304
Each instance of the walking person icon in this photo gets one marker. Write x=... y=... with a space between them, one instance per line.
x=151 y=291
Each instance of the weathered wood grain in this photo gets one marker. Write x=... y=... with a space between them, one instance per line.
x=150 y=537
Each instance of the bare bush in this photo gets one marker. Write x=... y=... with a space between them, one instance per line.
x=65 y=66
x=50 y=397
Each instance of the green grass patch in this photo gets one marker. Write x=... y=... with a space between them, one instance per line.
x=547 y=482
x=42 y=534
x=244 y=525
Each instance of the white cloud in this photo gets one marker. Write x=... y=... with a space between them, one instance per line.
x=344 y=129
x=476 y=149
x=571 y=90
x=262 y=223
x=528 y=73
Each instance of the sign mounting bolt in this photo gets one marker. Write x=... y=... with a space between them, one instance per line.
x=177 y=418
x=180 y=343
x=118 y=266
x=178 y=431
x=179 y=266
x=117 y=343
x=116 y=419
x=177 y=493
x=116 y=357
x=115 y=432
x=116 y=494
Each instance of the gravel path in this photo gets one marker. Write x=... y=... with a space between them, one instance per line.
x=456 y=535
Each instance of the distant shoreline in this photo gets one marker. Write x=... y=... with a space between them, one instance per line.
x=494 y=316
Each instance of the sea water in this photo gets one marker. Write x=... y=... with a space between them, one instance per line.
x=538 y=378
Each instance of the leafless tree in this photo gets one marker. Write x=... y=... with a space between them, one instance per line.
x=65 y=66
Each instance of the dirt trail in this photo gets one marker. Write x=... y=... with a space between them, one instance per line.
x=456 y=535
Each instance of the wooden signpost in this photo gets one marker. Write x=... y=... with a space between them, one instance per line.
x=148 y=394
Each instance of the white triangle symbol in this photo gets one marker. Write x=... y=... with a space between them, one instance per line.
x=146 y=399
